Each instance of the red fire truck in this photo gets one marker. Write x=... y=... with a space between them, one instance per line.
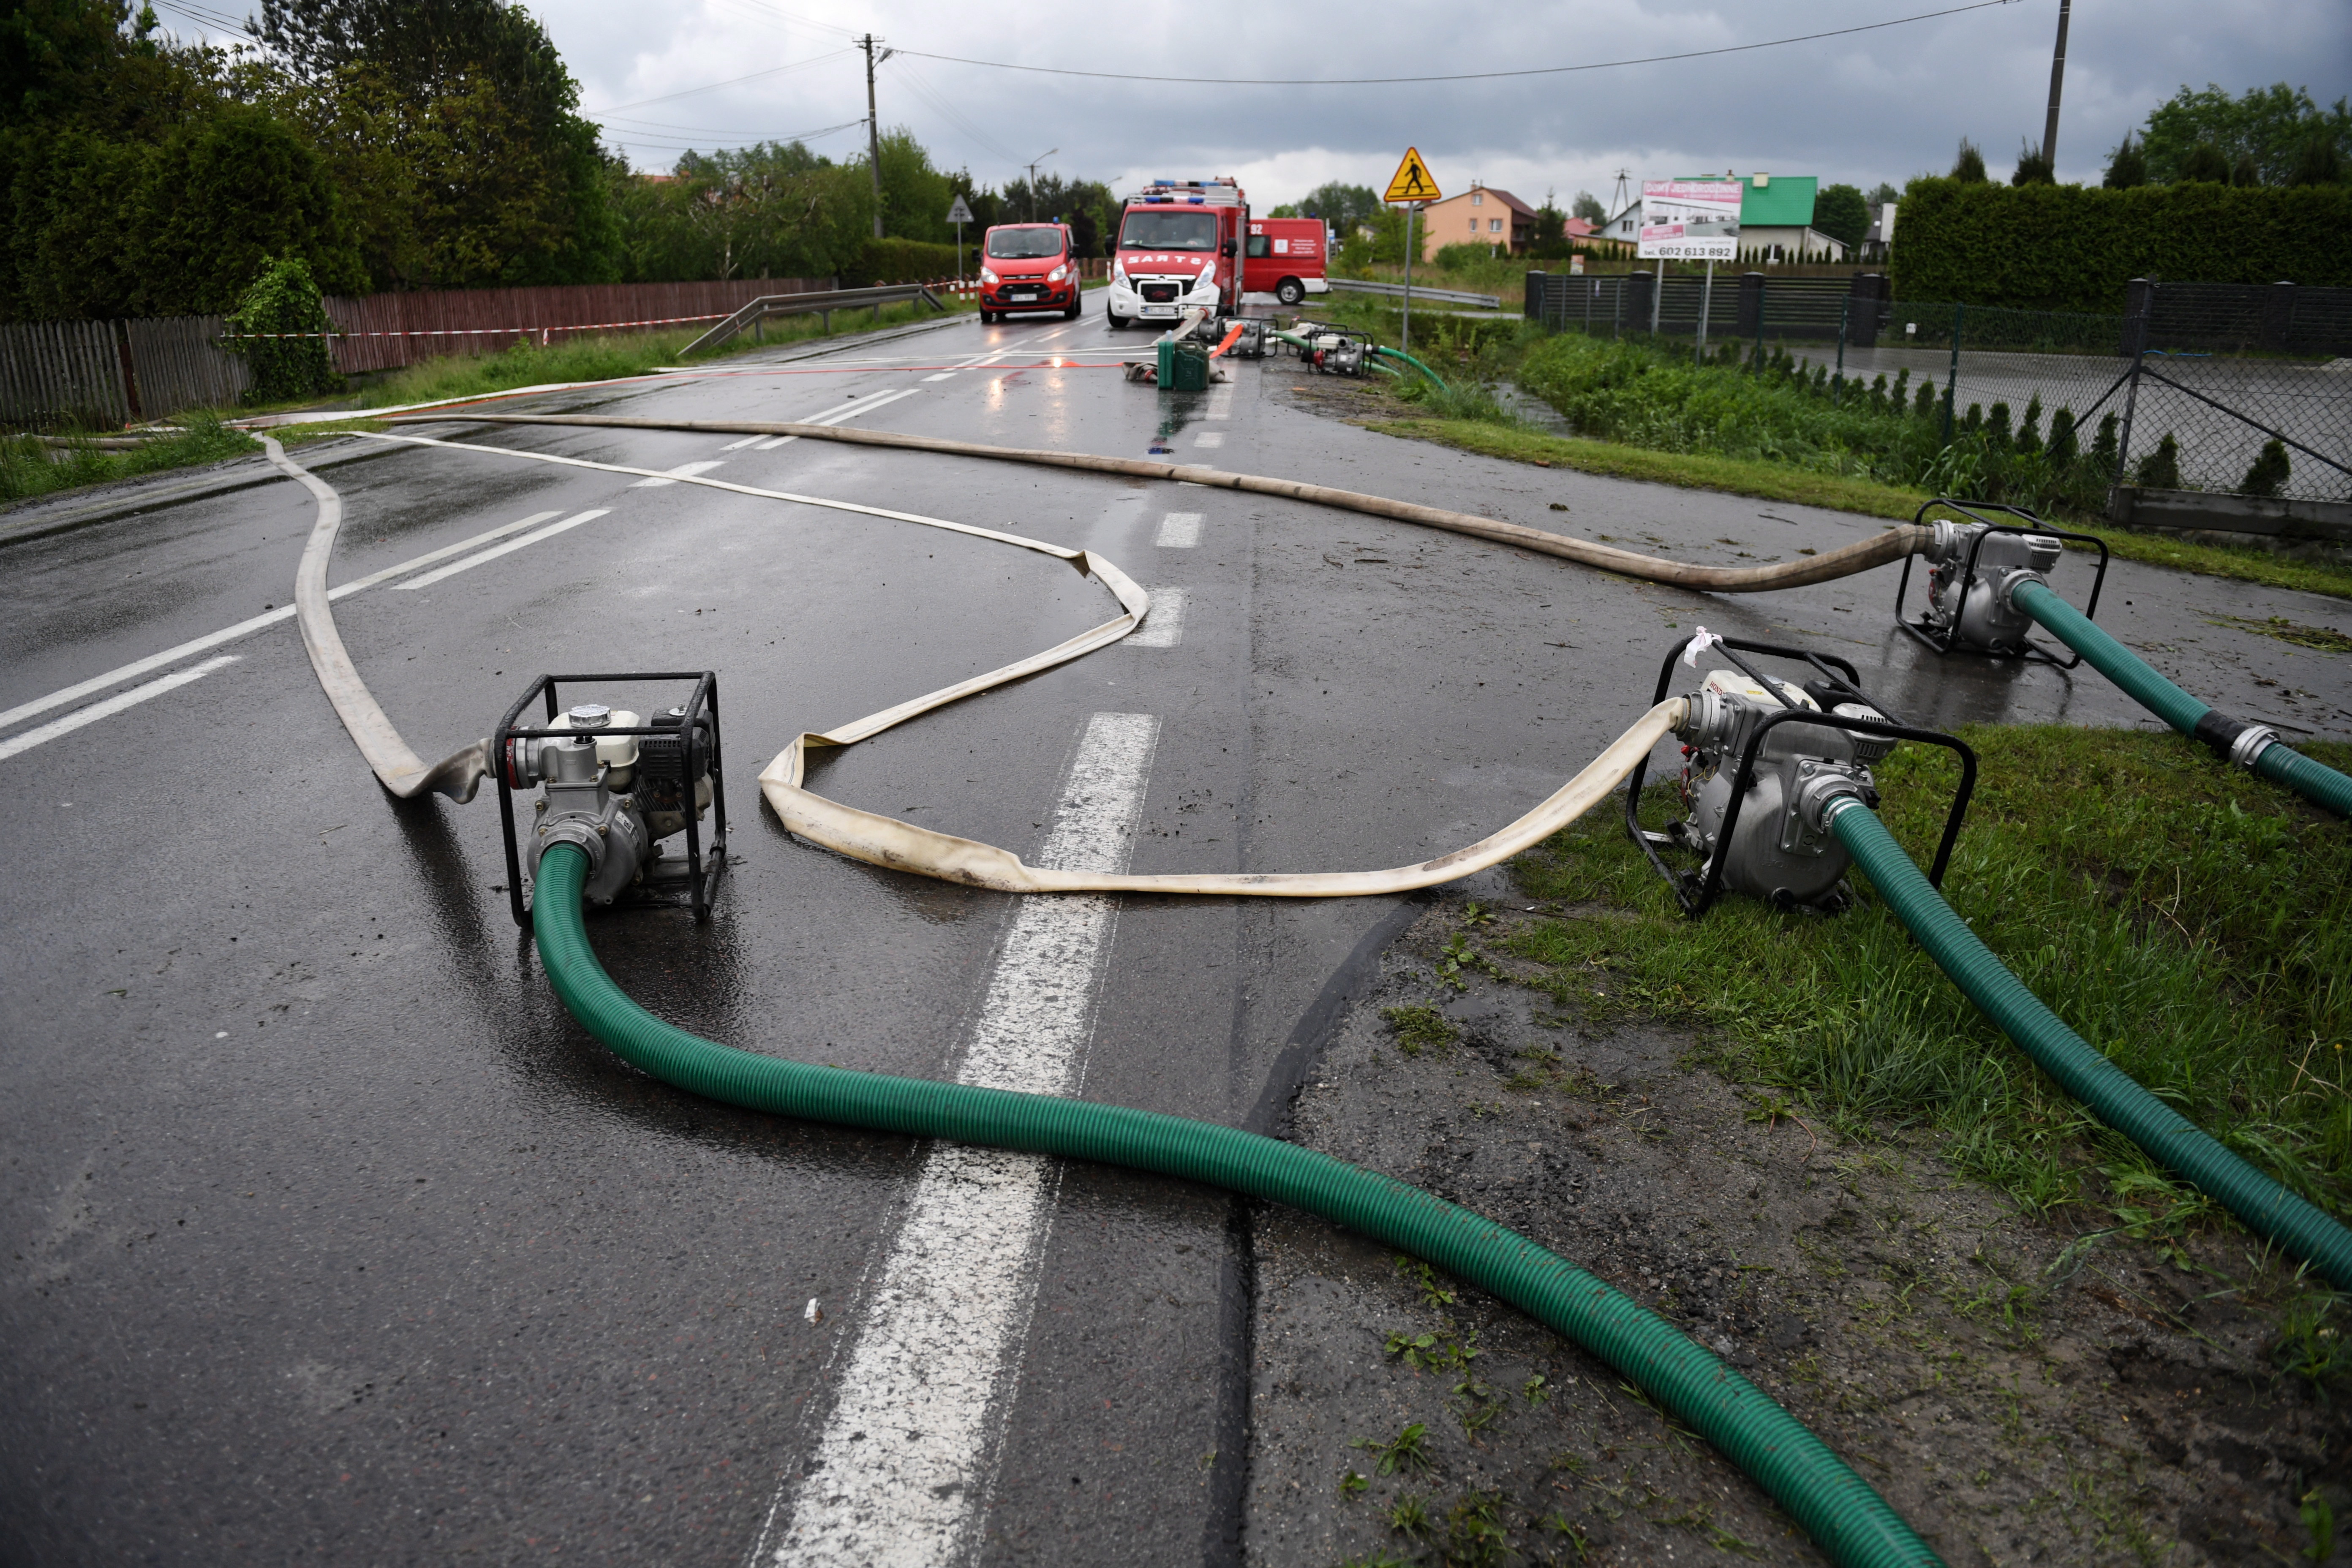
x=1179 y=247
x=1284 y=257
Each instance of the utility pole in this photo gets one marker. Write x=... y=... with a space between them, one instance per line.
x=1032 y=179
x=2057 y=80
x=873 y=129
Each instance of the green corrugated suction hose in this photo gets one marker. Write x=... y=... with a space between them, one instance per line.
x=2276 y=761
x=1836 y=1507
x=1399 y=354
x=2264 y=1203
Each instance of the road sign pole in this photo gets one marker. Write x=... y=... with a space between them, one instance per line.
x=1406 y=346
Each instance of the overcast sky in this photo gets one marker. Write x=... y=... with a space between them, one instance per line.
x=1879 y=105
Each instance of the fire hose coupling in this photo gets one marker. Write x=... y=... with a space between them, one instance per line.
x=2237 y=740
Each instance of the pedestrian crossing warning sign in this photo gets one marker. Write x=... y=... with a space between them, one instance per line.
x=1411 y=182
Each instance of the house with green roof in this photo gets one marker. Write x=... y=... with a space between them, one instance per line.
x=1775 y=218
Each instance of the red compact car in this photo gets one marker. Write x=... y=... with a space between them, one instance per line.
x=1027 y=266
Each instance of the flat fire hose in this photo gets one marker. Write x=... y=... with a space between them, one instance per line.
x=1835 y=1506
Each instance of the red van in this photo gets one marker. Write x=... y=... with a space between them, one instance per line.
x=1285 y=258
x=1027 y=266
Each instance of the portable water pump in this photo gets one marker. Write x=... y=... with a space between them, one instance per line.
x=1763 y=759
x=616 y=784
x=1974 y=570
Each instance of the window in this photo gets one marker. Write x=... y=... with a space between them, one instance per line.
x=1493 y=225
x=1150 y=229
x=1025 y=244
x=1474 y=225
x=1478 y=198
x=1257 y=244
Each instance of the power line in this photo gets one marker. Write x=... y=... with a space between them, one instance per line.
x=923 y=90
x=731 y=82
x=1462 y=76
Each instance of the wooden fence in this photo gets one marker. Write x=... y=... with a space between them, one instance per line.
x=106 y=374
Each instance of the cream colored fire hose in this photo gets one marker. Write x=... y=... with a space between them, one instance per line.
x=902 y=845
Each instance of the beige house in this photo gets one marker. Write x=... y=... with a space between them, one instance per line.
x=1479 y=215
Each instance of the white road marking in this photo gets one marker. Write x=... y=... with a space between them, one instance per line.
x=112 y=705
x=1221 y=403
x=902 y=1468
x=738 y=446
x=137 y=668
x=1209 y=439
x=1163 y=627
x=1179 y=531
x=837 y=416
x=943 y=376
x=684 y=470
x=509 y=548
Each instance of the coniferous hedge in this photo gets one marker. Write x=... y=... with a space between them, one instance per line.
x=2074 y=247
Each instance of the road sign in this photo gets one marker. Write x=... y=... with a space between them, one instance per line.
x=959 y=212
x=1411 y=182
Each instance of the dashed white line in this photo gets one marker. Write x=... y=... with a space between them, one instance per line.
x=1179 y=531
x=738 y=446
x=943 y=376
x=1209 y=439
x=1221 y=403
x=1163 y=627
x=137 y=668
x=863 y=405
x=112 y=705
x=684 y=470
x=509 y=548
x=902 y=1467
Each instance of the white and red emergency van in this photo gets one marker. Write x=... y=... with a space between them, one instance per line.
x=1284 y=257
x=1178 y=248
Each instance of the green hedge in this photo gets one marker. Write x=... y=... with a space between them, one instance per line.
x=2074 y=247
x=881 y=261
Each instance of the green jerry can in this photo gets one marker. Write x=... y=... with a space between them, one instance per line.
x=1183 y=366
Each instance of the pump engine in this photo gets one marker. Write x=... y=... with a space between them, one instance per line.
x=1764 y=761
x=616 y=784
x=1974 y=570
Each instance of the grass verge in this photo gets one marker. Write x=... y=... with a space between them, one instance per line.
x=31 y=468
x=1802 y=487
x=2190 y=920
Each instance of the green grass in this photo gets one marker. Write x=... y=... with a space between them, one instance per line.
x=1519 y=443
x=31 y=468
x=2189 y=919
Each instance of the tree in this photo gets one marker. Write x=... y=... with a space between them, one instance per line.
x=451 y=124
x=279 y=328
x=1086 y=206
x=2126 y=165
x=1968 y=167
x=1839 y=212
x=1588 y=206
x=2318 y=163
x=2271 y=124
x=1882 y=193
x=2032 y=167
x=2203 y=162
x=1550 y=239
x=1344 y=207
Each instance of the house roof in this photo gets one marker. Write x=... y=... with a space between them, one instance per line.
x=1517 y=206
x=1577 y=228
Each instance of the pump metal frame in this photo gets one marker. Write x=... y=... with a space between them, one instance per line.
x=2033 y=525
x=700 y=877
x=1696 y=892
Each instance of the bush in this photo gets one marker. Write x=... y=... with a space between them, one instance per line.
x=283 y=300
x=2074 y=247
x=2160 y=469
x=881 y=261
x=1776 y=408
x=1462 y=257
x=2269 y=474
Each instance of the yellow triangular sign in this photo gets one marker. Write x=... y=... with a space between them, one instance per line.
x=1411 y=182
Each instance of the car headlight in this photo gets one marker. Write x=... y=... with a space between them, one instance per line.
x=988 y=278
x=1207 y=280
x=1059 y=273
x=1119 y=272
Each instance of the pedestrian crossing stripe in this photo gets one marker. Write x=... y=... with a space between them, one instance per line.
x=1412 y=183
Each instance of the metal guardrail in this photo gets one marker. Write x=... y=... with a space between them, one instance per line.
x=1436 y=296
x=825 y=302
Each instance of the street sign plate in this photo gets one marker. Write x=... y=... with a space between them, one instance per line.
x=1411 y=182
x=959 y=212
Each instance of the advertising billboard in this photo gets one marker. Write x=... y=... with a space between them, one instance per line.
x=1690 y=220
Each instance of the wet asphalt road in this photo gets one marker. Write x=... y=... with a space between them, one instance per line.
x=329 y=1236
